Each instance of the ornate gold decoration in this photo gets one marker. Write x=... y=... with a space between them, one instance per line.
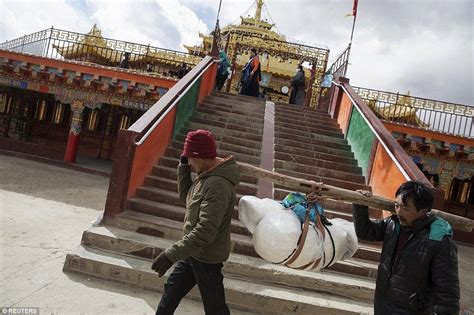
x=407 y=109
x=278 y=57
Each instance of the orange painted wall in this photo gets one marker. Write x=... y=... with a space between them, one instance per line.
x=344 y=113
x=147 y=154
x=429 y=134
x=385 y=177
x=118 y=73
x=208 y=82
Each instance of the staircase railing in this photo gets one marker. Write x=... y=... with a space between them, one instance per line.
x=384 y=163
x=139 y=147
x=423 y=113
x=339 y=66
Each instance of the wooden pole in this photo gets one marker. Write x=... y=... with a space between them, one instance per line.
x=380 y=203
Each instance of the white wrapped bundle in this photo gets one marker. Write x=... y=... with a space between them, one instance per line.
x=313 y=247
x=276 y=232
x=345 y=242
x=276 y=235
x=253 y=209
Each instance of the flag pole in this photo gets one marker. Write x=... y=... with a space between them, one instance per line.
x=354 y=13
x=353 y=26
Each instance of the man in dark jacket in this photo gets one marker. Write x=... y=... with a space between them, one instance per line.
x=210 y=201
x=297 y=87
x=418 y=270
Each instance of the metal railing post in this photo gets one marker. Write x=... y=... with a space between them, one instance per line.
x=49 y=41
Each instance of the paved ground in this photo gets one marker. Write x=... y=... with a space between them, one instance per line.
x=44 y=210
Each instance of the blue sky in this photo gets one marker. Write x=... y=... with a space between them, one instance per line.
x=425 y=46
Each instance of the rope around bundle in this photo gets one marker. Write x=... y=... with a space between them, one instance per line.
x=315 y=196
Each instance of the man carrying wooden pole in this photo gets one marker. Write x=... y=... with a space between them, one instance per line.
x=418 y=270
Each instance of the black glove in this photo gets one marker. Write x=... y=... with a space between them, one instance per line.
x=183 y=159
x=161 y=264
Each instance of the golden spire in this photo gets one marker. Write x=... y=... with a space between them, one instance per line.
x=258 y=12
x=95 y=31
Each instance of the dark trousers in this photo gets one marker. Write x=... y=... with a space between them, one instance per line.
x=184 y=277
x=220 y=81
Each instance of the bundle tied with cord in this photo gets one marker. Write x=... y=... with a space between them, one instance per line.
x=295 y=232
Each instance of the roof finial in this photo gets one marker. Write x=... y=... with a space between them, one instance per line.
x=258 y=12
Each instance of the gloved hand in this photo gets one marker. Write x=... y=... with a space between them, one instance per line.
x=161 y=264
x=183 y=159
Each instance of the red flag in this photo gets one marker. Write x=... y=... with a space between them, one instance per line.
x=354 y=9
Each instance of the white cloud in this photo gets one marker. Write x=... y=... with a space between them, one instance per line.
x=164 y=23
x=20 y=17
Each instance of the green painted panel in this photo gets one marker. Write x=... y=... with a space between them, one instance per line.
x=360 y=137
x=186 y=106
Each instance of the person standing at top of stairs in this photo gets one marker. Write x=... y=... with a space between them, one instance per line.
x=206 y=244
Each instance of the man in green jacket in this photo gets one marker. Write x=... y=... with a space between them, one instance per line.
x=210 y=201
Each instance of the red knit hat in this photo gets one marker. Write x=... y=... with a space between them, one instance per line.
x=200 y=144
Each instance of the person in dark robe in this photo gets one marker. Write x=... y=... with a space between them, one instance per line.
x=251 y=76
x=183 y=70
x=297 y=87
x=149 y=68
x=222 y=71
x=125 y=61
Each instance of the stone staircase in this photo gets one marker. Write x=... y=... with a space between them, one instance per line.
x=308 y=144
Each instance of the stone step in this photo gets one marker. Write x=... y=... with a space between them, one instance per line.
x=307 y=140
x=216 y=112
x=299 y=109
x=241 y=157
x=320 y=171
x=239 y=97
x=171 y=172
x=221 y=145
x=225 y=125
x=367 y=251
x=323 y=133
x=314 y=133
x=255 y=297
x=322 y=163
x=175 y=153
x=229 y=110
x=231 y=120
x=308 y=123
x=303 y=117
x=242 y=244
x=256 y=145
x=117 y=240
x=223 y=131
x=287 y=153
x=307 y=114
x=176 y=213
x=321 y=147
x=236 y=104
x=321 y=125
x=305 y=110
x=172 y=185
x=168 y=197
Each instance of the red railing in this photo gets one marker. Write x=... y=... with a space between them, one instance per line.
x=384 y=162
x=139 y=147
